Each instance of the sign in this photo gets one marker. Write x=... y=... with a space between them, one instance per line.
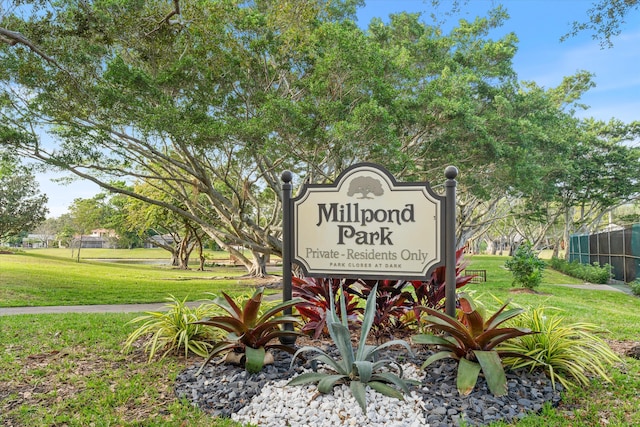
x=366 y=225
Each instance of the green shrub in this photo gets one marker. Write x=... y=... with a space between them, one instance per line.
x=635 y=287
x=570 y=353
x=526 y=267
x=593 y=273
x=173 y=330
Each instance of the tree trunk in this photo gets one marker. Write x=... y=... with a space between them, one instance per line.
x=200 y=256
x=568 y=214
x=259 y=266
x=494 y=246
x=79 y=247
x=184 y=253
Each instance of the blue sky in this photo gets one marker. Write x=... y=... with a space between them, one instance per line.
x=541 y=57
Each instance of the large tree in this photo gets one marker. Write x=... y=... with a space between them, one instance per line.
x=209 y=102
x=22 y=206
x=160 y=226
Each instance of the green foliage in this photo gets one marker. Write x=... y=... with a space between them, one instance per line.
x=84 y=377
x=173 y=330
x=359 y=368
x=318 y=294
x=605 y=20
x=526 y=267
x=387 y=94
x=473 y=342
x=593 y=273
x=22 y=206
x=635 y=287
x=248 y=331
x=570 y=353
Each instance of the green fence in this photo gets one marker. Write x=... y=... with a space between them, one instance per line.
x=618 y=248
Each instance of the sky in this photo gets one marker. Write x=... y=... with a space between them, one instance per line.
x=541 y=58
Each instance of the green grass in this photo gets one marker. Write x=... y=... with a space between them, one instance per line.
x=615 y=311
x=67 y=369
x=34 y=279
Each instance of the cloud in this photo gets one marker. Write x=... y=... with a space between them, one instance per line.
x=617 y=91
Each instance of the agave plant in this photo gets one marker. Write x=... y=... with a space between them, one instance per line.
x=173 y=330
x=249 y=333
x=359 y=367
x=474 y=343
x=569 y=353
x=318 y=293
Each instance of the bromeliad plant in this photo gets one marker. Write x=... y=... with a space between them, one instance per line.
x=249 y=333
x=569 y=353
x=473 y=342
x=393 y=301
x=358 y=368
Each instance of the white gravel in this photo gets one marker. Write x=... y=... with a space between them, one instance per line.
x=279 y=405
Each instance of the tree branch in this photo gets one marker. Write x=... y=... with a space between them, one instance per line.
x=165 y=20
x=13 y=38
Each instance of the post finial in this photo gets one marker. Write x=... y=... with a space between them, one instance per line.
x=451 y=172
x=286 y=177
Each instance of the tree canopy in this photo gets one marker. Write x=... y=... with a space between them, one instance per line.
x=208 y=102
x=22 y=206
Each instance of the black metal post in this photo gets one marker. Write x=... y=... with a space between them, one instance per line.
x=451 y=172
x=287 y=247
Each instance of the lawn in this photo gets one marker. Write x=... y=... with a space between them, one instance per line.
x=67 y=369
x=52 y=277
x=615 y=311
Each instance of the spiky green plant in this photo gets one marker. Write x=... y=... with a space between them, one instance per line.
x=358 y=368
x=569 y=353
x=473 y=342
x=173 y=330
x=248 y=331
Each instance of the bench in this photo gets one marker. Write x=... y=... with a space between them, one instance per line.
x=479 y=276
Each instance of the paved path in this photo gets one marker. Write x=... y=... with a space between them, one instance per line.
x=120 y=308
x=116 y=308
x=135 y=308
x=611 y=287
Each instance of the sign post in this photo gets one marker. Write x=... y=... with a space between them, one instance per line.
x=451 y=172
x=366 y=225
x=286 y=251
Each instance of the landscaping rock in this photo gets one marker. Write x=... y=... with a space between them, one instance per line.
x=264 y=399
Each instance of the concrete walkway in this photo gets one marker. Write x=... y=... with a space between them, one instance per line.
x=119 y=308
x=161 y=306
x=610 y=287
x=116 y=308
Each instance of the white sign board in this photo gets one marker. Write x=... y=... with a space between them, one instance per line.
x=367 y=225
